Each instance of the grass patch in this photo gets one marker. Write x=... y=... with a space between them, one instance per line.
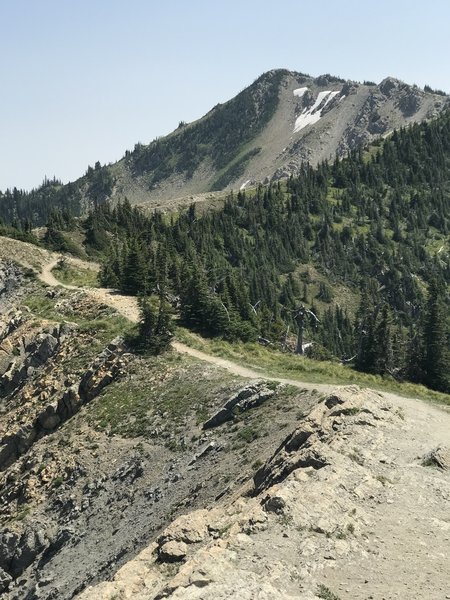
x=325 y=593
x=249 y=433
x=299 y=368
x=42 y=307
x=161 y=394
x=77 y=276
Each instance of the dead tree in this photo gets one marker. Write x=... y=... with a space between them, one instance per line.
x=301 y=316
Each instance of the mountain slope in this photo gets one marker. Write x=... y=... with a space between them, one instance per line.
x=101 y=450
x=373 y=227
x=265 y=132
x=268 y=130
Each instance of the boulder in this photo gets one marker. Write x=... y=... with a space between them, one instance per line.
x=439 y=457
x=69 y=404
x=49 y=418
x=246 y=398
x=190 y=528
x=172 y=551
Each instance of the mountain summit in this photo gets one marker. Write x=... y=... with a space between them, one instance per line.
x=264 y=133
x=281 y=120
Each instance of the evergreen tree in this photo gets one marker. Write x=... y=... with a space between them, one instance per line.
x=154 y=329
x=134 y=271
x=436 y=360
x=382 y=350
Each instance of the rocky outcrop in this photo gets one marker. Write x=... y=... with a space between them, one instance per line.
x=172 y=551
x=10 y=322
x=439 y=457
x=18 y=551
x=248 y=397
x=31 y=356
x=107 y=367
x=308 y=445
x=11 y=277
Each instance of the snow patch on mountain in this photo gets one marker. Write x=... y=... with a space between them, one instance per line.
x=311 y=115
x=299 y=92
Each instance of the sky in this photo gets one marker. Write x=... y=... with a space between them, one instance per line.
x=84 y=81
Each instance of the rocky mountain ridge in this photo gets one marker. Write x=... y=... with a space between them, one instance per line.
x=334 y=511
x=267 y=132
x=72 y=475
x=125 y=476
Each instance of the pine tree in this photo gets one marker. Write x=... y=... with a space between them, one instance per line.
x=154 y=329
x=436 y=360
x=383 y=354
x=134 y=272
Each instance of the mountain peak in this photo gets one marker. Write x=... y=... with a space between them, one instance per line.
x=266 y=132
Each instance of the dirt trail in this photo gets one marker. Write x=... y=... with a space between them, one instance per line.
x=128 y=307
x=46 y=276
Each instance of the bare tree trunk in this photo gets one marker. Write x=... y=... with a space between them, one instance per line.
x=301 y=326
x=301 y=315
x=286 y=335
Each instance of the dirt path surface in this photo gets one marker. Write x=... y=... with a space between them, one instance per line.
x=47 y=277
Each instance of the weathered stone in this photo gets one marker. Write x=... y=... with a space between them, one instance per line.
x=49 y=418
x=274 y=504
x=5 y=580
x=299 y=438
x=129 y=471
x=42 y=349
x=246 y=398
x=190 y=528
x=69 y=404
x=440 y=457
x=205 y=450
x=172 y=551
x=105 y=370
x=17 y=552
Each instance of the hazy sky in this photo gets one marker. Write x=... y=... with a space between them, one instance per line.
x=84 y=80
